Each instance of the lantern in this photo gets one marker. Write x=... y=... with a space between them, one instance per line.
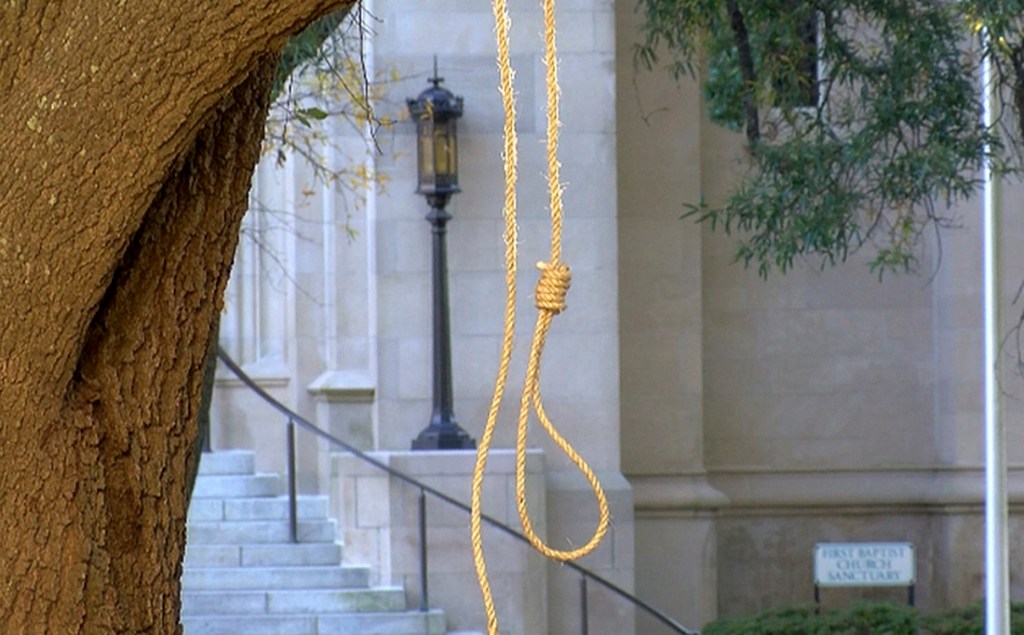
x=435 y=112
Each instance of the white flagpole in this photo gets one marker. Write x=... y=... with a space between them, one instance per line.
x=997 y=577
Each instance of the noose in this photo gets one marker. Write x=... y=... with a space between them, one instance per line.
x=550 y=301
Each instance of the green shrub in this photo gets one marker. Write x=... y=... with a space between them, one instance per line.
x=864 y=619
x=791 y=620
x=969 y=620
x=873 y=619
x=859 y=619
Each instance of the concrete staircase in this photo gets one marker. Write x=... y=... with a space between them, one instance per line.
x=242 y=576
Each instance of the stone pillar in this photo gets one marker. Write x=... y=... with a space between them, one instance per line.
x=257 y=323
x=344 y=408
x=300 y=314
x=662 y=336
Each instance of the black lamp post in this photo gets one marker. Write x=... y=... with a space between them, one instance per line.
x=435 y=112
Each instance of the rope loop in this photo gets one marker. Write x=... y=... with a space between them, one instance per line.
x=552 y=287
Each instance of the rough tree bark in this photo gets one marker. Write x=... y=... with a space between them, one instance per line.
x=129 y=131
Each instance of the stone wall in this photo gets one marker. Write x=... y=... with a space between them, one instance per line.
x=766 y=536
x=762 y=416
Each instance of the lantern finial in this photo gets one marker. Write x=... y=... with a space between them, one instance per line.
x=435 y=79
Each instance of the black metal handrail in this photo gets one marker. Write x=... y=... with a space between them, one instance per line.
x=295 y=418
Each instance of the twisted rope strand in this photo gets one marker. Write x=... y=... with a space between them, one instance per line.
x=550 y=301
x=510 y=160
x=554 y=125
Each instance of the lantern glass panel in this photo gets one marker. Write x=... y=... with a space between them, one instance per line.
x=426 y=150
x=445 y=160
x=441 y=151
x=450 y=159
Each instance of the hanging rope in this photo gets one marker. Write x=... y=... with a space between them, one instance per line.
x=550 y=301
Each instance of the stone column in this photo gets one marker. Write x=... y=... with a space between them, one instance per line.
x=661 y=335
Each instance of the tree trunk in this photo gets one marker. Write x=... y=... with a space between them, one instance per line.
x=129 y=131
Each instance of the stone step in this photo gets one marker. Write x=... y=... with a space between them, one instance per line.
x=242 y=576
x=262 y=508
x=227 y=462
x=249 y=625
x=236 y=532
x=402 y=623
x=292 y=602
x=374 y=600
x=248 y=578
x=265 y=555
x=237 y=486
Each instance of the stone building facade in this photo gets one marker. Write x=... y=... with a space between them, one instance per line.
x=735 y=421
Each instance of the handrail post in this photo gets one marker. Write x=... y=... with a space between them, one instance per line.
x=584 y=625
x=293 y=511
x=424 y=600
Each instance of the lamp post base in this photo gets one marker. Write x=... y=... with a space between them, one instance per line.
x=450 y=437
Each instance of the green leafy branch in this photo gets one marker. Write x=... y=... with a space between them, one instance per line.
x=862 y=131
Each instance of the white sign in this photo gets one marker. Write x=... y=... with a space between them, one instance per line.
x=864 y=564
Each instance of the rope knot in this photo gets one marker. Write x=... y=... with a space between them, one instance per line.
x=552 y=286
